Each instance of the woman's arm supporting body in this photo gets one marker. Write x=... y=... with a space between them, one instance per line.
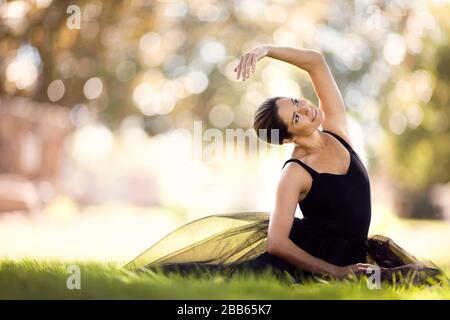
x=290 y=186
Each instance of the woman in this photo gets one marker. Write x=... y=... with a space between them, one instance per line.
x=325 y=176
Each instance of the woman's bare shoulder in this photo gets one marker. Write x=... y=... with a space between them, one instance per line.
x=295 y=175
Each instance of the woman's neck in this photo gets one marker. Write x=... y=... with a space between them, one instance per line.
x=311 y=144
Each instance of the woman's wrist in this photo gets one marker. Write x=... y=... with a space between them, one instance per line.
x=330 y=269
x=266 y=49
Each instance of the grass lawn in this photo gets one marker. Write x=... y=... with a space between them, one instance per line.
x=38 y=279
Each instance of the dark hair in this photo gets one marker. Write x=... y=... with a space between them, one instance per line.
x=267 y=123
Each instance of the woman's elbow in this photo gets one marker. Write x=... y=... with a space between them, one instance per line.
x=273 y=245
x=317 y=60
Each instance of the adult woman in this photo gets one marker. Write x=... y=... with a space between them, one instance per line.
x=325 y=176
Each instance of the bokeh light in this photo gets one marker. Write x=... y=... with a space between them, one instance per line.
x=93 y=88
x=221 y=115
x=100 y=122
x=55 y=90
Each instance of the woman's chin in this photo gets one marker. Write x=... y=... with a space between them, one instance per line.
x=319 y=117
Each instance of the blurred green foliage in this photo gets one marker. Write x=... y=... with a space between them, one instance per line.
x=417 y=108
x=422 y=151
x=168 y=63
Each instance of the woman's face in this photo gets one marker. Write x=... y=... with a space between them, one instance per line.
x=300 y=116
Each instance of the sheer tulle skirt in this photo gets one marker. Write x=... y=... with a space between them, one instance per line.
x=236 y=242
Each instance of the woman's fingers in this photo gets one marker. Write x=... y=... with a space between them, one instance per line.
x=239 y=67
x=247 y=64
x=364 y=267
x=253 y=64
x=250 y=65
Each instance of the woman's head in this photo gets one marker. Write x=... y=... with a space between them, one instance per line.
x=281 y=120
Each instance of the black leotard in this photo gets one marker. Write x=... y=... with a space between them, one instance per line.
x=336 y=212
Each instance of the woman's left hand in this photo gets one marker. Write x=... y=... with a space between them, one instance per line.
x=248 y=61
x=343 y=272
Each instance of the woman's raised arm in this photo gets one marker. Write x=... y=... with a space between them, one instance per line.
x=312 y=61
x=302 y=58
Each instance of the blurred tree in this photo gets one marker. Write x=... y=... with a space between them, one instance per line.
x=171 y=62
x=416 y=111
x=109 y=34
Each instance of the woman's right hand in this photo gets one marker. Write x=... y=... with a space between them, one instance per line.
x=343 y=272
x=248 y=61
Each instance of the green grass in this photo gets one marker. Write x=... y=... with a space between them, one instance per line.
x=30 y=279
